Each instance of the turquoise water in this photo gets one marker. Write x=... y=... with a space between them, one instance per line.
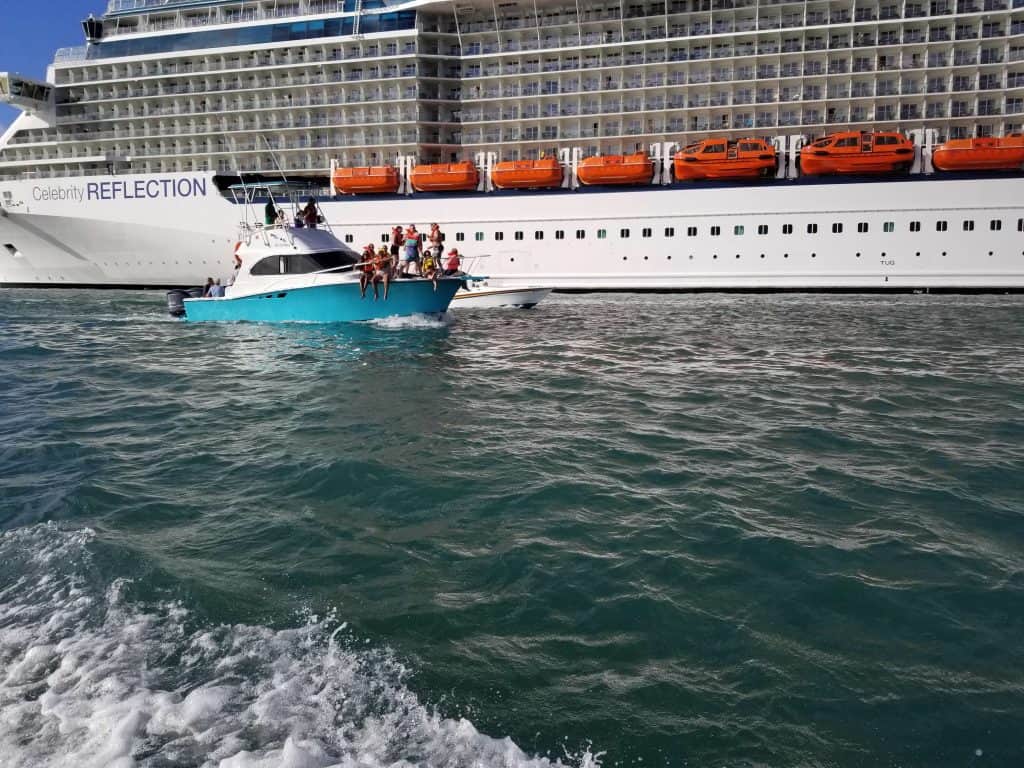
x=620 y=530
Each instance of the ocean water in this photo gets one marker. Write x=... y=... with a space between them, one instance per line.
x=616 y=530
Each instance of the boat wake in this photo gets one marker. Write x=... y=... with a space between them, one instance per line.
x=93 y=679
x=414 y=322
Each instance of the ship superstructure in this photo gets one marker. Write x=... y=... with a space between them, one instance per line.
x=186 y=85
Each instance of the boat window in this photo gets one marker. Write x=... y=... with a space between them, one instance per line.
x=968 y=225
x=941 y=226
x=714 y=149
x=460 y=236
x=670 y=231
x=623 y=233
x=692 y=149
x=787 y=229
x=716 y=231
x=519 y=235
x=862 y=226
x=888 y=226
x=849 y=141
x=747 y=146
x=580 y=234
x=646 y=232
x=385 y=238
x=822 y=143
x=348 y=238
x=538 y=235
x=812 y=229
x=915 y=226
x=479 y=236
x=268 y=265
x=304 y=263
x=762 y=229
x=995 y=225
x=837 y=227
x=1020 y=225
x=738 y=229
x=602 y=234
x=559 y=234
x=499 y=235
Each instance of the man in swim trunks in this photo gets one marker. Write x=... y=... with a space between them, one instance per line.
x=366 y=268
x=382 y=271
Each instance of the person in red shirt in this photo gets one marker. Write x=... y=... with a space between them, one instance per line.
x=367 y=267
x=453 y=264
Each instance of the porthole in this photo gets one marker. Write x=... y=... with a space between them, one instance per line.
x=737 y=255
x=785 y=255
x=670 y=258
x=645 y=258
x=715 y=256
x=623 y=258
x=691 y=256
x=990 y=253
x=858 y=254
x=814 y=255
x=943 y=253
x=918 y=253
x=883 y=253
x=762 y=255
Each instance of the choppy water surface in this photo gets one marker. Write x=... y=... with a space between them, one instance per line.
x=625 y=530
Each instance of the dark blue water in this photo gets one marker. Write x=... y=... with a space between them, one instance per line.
x=623 y=530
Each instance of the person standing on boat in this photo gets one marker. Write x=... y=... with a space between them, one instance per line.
x=217 y=290
x=413 y=249
x=310 y=215
x=436 y=240
x=270 y=213
x=397 y=239
x=382 y=271
x=208 y=287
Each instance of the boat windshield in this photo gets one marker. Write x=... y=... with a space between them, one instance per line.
x=302 y=263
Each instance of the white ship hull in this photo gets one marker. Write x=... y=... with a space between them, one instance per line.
x=61 y=232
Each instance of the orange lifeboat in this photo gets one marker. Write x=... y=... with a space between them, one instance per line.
x=616 y=169
x=527 y=174
x=988 y=154
x=445 y=177
x=723 y=159
x=857 y=152
x=366 y=180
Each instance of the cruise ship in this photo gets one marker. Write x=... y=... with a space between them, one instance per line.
x=132 y=163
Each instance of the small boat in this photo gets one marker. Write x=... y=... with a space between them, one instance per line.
x=366 y=180
x=616 y=169
x=724 y=159
x=445 y=177
x=857 y=152
x=527 y=174
x=986 y=154
x=307 y=275
x=479 y=294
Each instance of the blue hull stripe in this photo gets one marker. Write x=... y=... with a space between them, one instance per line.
x=334 y=303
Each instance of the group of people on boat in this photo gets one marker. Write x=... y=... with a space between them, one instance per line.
x=411 y=254
x=308 y=216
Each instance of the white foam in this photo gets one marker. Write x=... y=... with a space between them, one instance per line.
x=414 y=322
x=95 y=680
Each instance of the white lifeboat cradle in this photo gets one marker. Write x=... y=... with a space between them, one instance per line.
x=287 y=273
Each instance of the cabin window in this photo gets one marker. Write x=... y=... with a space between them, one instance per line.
x=787 y=229
x=479 y=236
x=941 y=226
x=385 y=238
x=812 y=229
x=995 y=225
x=862 y=227
x=559 y=234
x=692 y=231
x=349 y=238
x=645 y=232
x=519 y=235
x=1020 y=225
x=270 y=265
x=915 y=226
x=837 y=228
x=762 y=229
x=670 y=231
x=460 y=236
x=580 y=234
x=716 y=231
x=538 y=235
x=304 y=263
x=738 y=229
x=848 y=141
x=499 y=235
x=623 y=233
x=968 y=225
x=602 y=234
x=888 y=226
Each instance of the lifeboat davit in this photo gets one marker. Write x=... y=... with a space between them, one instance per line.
x=616 y=169
x=857 y=152
x=988 y=154
x=366 y=180
x=445 y=177
x=723 y=159
x=527 y=174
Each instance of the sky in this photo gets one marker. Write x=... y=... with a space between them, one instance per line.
x=34 y=33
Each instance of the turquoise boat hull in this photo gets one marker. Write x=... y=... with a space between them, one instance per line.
x=330 y=303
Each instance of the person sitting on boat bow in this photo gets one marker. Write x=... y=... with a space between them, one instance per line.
x=366 y=268
x=454 y=263
x=382 y=271
x=430 y=267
